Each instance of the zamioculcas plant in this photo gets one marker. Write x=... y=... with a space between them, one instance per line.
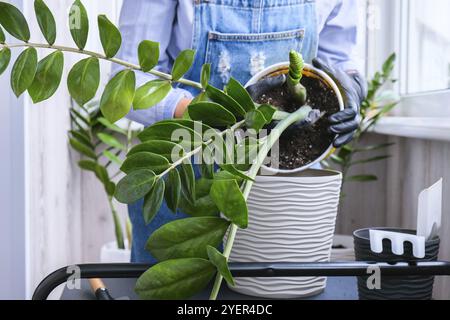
x=377 y=105
x=101 y=144
x=298 y=91
x=160 y=167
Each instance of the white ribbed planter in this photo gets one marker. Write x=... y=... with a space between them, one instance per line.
x=291 y=219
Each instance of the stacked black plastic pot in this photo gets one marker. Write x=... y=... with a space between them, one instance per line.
x=395 y=288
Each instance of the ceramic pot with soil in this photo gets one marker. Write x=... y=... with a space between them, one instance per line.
x=395 y=288
x=292 y=211
x=302 y=149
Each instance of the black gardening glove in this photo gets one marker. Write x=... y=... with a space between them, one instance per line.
x=265 y=85
x=354 y=90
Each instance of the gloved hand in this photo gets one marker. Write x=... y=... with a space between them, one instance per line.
x=266 y=85
x=354 y=90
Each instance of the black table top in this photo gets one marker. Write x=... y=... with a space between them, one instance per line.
x=122 y=289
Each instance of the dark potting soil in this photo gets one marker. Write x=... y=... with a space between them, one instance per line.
x=301 y=147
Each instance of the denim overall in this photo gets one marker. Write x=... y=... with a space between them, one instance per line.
x=239 y=38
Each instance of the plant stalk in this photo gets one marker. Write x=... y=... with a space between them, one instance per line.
x=159 y=74
x=117 y=225
x=274 y=136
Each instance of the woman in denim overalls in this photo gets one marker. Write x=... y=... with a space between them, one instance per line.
x=239 y=38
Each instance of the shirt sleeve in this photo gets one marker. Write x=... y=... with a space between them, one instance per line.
x=149 y=20
x=339 y=36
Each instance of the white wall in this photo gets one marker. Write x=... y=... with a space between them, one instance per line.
x=65 y=209
x=12 y=208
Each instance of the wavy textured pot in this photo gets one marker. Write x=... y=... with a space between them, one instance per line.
x=395 y=288
x=291 y=219
x=311 y=72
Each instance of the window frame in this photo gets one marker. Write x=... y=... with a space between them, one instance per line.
x=421 y=111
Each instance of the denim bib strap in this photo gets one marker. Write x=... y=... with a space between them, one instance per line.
x=253 y=3
x=242 y=37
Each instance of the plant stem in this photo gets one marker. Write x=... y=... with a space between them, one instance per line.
x=129 y=231
x=117 y=225
x=129 y=65
x=128 y=225
x=274 y=136
x=199 y=149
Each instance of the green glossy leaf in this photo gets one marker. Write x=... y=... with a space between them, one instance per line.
x=110 y=36
x=14 y=22
x=145 y=160
x=83 y=80
x=205 y=75
x=2 y=36
x=5 y=58
x=225 y=175
x=82 y=137
x=374 y=147
x=79 y=24
x=207 y=170
x=78 y=116
x=83 y=148
x=148 y=53
x=268 y=111
x=362 y=178
x=337 y=159
x=135 y=186
x=187 y=177
x=173 y=190
x=373 y=159
x=118 y=96
x=169 y=150
x=246 y=153
x=171 y=131
x=110 y=188
x=175 y=279
x=220 y=97
x=111 y=126
x=48 y=77
x=110 y=141
x=153 y=201
x=220 y=261
x=197 y=126
x=112 y=157
x=88 y=165
x=23 y=71
x=232 y=169
x=203 y=206
x=46 y=21
x=182 y=64
x=102 y=174
x=255 y=120
x=151 y=94
x=212 y=114
x=187 y=238
x=228 y=197
x=388 y=65
x=240 y=95
x=202 y=97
